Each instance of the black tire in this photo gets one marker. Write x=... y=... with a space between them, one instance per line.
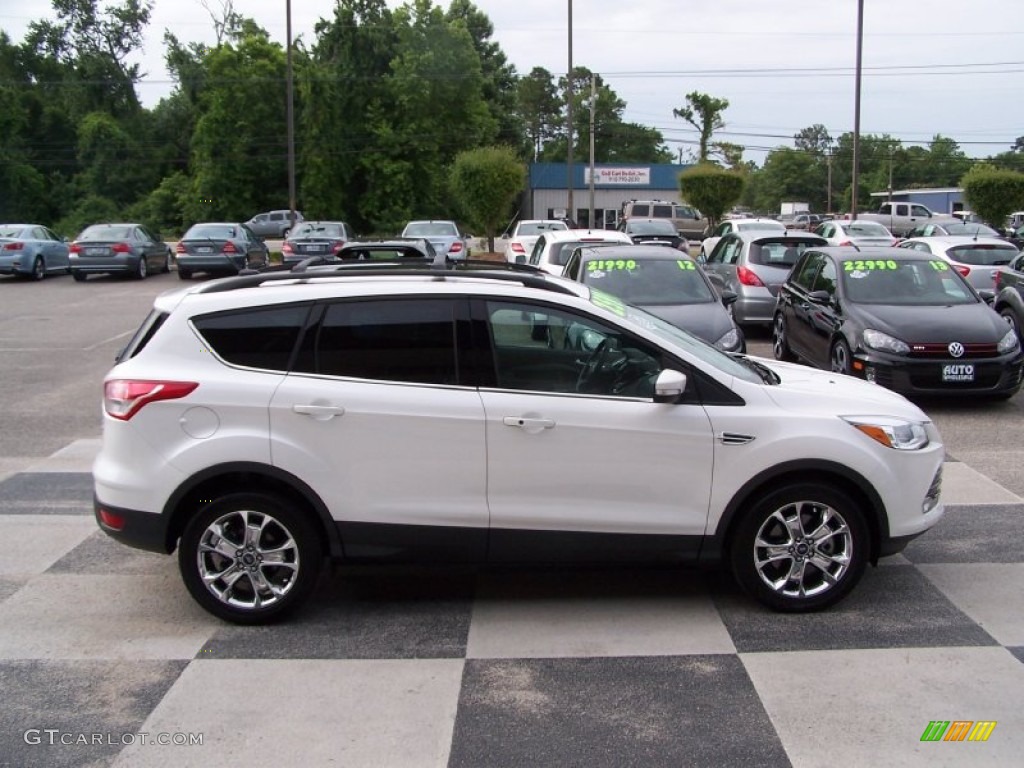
x=218 y=542
x=780 y=339
x=78 y=276
x=184 y=274
x=801 y=548
x=38 y=269
x=839 y=358
x=167 y=263
x=141 y=269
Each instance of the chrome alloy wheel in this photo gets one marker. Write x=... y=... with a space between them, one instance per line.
x=248 y=559
x=803 y=549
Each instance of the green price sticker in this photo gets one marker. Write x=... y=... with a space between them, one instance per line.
x=864 y=265
x=686 y=266
x=608 y=265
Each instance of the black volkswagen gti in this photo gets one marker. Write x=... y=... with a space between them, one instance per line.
x=905 y=320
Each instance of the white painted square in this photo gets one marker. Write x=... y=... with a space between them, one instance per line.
x=29 y=544
x=990 y=593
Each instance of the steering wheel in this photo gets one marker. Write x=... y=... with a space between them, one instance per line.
x=600 y=361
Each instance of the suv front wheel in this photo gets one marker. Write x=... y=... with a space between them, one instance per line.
x=801 y=548
x=249 y=558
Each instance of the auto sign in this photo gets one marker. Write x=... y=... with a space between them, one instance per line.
x=955 y=372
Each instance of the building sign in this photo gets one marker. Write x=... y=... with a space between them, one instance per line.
x=624 y=176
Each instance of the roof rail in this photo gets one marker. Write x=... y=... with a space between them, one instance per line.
x=441 y=268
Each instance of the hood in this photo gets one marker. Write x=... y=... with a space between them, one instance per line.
x=968 y=323
x=810 y=389
x=709 y=321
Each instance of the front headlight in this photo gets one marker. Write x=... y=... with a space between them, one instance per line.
x=891 y=432
x=730 y=341
x=883 y=342
x=1008 y=343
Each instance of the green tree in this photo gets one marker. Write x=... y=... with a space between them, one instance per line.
x=814 y=139
x=993 y=193
x=792 y=174
x=704 y=113
x=540 y=107
x=711 y=189
x=485 y=183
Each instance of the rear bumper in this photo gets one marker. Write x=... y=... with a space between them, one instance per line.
x=142 y=530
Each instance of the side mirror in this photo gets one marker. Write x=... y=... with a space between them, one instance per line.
x=669 y=386
x=988 y=295
x=729 y=297
x=819 y=297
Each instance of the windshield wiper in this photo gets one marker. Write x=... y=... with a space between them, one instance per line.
x=768 y=376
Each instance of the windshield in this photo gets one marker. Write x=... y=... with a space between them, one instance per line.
x=536 y=227
x=654 y=227
x=894 y=281
x=316 y=230
x=866 y=229
x=982 y=230
x=650 y=281
x=755 y=225
x=430 y=229
x=783 y=252
x=675 y=336
x=983 y=254
x=211 y=231
x=105 y=233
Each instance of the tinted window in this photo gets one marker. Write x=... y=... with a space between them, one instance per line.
x=780 y=253
x=409 y=340
x=893 y=281
x=983 y=254
x=211 y=231
x=661 y=211
x=640 y=209
x=542 y=349
x=806 y=270
x=256 y=338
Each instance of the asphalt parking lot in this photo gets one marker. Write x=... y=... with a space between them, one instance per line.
x=103 y=655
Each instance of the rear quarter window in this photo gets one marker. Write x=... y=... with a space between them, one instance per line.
x=255 y=338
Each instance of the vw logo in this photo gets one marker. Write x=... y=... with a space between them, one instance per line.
x=956 y=349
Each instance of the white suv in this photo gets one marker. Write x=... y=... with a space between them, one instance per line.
x=261 y=424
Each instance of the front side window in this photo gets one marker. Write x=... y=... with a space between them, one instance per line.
x=545 y=349
x=805 y=271
x=407 y=340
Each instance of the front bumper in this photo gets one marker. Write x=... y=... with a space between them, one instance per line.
x=988 y=376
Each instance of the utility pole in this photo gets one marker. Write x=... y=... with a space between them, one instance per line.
x=891 y=150
x=291 y=120
x=568 y=118
x=828 y=161
x=856 y=111
x=593 y=102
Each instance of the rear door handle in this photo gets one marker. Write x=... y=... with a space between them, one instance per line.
x=319 y=412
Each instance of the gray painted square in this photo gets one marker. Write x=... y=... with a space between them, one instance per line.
x=9 y=585
x=892 y=607
x=99 y=554
x=369 y=614
x=973 y=534
x=1018 y=652
x=109 y=698
x=47 y=493
x=614 y=712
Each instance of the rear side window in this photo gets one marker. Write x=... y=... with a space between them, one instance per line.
x=142 y=336
x=409 y=340
x=640 y=209
x=256 y=338
x=661 y=211
x=782 y=252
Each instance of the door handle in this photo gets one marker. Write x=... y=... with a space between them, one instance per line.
x=528 y=424
x=319 y=412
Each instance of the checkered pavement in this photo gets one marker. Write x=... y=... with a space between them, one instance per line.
x=100 y=647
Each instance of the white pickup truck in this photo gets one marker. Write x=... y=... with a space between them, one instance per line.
x=900 y=218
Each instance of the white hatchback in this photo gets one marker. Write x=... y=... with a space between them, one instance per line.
x=262 y=424
x=552 y=250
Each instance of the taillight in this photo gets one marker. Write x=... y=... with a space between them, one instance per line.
x=123 y=398
x=996 y=278
x=338 y=246
x=518 y=248
x=111 y=520
x=963 y=270
x=75 y=248
x=846 y=242
x=121 y=248
x=14 y=246
x=229 y=247
x=456 y=247
x=746 y=277
x=180 y=248
x=286 y=248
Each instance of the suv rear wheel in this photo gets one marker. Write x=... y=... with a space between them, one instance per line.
x=249 y=558
x=801 y=548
